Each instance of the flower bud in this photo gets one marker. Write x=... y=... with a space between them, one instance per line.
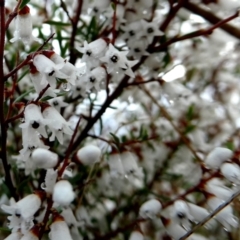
x=217 y=156
x=89 y=155
x=44 y=158
x=63 y=193
x=150 y=208
x=14 y=236
x=59 y=229
x=136 y=235
x=231 y=171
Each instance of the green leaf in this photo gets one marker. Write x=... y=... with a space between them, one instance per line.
x=115 y=138
x=56 y=23
x=24 y=3
x=189 y=128
x=24 y=95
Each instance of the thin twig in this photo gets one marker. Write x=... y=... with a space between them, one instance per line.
x=211 y=215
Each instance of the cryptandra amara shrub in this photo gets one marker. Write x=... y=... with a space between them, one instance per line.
x=119 y=119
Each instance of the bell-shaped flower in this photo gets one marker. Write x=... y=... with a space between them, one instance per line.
x=198 y=213
x=130 y=165
x=132 y=31
x=40 y=82
x=175 y=230
x=43 y=158
x=47 y=67
x=225 y=216
x=59 y=229
x=56 y=123
x=150 y=30
x=23 y=29
x=14 y=236
x=218 y=189
x=150 y=209
x=115 y=166
x=50 y=180
x=181 y=214
x=33 y=119
x=218 y=156
x=32 y=234
x=118 y=62
x=31 y=140
x=94 y=79
x=25 y=207
x=137 y=48
x=136 y=235
x=231 y=171
x=58 y=103
x=89 y=155
x=92 y=52
x=68 y=69
x=63 y=193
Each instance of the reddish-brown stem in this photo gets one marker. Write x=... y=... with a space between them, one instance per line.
x=27 y=60
x=114 y=20
x=13 y=14
x=3 y=136
x=73 y=56
x=210 y=17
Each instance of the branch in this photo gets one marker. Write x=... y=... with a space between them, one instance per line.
x=210 y=17
x=13 y=14
x=75 y=20
x=3 y=136
x=201 y=32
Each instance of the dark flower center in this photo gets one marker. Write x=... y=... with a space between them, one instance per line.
x=150 y=30
x=92 y=79
x=55 y=103
x=181 y=215
x=131 y=33
x=51 y=73
x=35 y=125
x=89 y=52
x=137 y=50
x=114 y=58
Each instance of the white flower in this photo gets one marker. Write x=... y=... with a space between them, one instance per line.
x=56 y=123
x=49 y=68
x=136 y=235
x=32 y=234
x=231 y=171
x=92 y=52
x=118 y=62
x=94 y=79
x=181 y=214
x=173 y=229
x=68 y=69
x=59 y=229
x=58 y=103
x=150 y=209
x=151 y=30
x=33 y=119
x=63 y=193
x=130 y=165
x=225 y=216
x=23 y=29
x=217 y=156
x=43 y=158
x=218 y=189
x=25 y=207
x=14 y=236
x=40 y=82
x=116 y=167
x=89 y=155
x=50 y=180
